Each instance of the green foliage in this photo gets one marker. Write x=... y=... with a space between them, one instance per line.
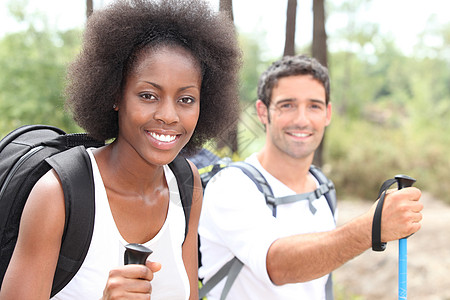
x=250 y=131
x=253 y=66
x=391 y=112
x=33 y=64
x=398 y=124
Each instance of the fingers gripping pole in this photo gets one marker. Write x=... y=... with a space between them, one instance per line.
x=403 y=181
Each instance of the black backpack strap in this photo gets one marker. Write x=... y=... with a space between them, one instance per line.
x=185 y=181
x=74 y=169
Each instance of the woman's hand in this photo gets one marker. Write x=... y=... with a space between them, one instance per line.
x=131 y=281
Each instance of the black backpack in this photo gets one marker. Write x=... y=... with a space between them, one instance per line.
x=232 y=268
x=26 y=154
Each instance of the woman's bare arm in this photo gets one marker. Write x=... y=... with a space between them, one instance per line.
x=190 y=251
x=32 y=266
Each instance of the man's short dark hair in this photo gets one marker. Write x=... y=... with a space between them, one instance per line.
x=291 y=66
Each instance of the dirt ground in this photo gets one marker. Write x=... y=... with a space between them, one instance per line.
x=373 y=275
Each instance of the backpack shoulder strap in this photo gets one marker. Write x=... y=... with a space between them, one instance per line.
x=74 y=169
x=185 y=181
x=233 y=267
x=326 y=187
x=260 y=181
x=329 y=191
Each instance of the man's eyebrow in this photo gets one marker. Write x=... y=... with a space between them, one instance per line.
x=318 y=101
x=286 y=100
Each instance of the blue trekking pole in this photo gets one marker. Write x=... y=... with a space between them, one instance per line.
x=403 y=181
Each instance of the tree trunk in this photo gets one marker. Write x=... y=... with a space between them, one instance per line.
x=291 y=16
x=319 y=51
x=230 y=138
x=89 y=8
x=227 y=6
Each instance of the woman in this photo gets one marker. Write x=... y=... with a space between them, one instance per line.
x=153 y=76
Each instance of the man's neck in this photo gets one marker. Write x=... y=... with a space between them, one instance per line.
x=293 y=172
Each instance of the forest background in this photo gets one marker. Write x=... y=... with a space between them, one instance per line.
x=391 y=105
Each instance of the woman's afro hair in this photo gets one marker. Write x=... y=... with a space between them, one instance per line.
x=115 y=35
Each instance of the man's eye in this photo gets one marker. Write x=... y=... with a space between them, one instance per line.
x=287 y=106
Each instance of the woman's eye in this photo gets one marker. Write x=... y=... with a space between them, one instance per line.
x=187 y=100
x=147 y=96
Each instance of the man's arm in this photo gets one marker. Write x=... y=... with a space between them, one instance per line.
x=306 y=257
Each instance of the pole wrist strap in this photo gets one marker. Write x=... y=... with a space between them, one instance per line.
x=377 y=244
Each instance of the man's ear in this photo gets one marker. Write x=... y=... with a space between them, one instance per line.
x=329 y=110
x=262 y=112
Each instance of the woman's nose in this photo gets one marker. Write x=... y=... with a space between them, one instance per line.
x=167 y=112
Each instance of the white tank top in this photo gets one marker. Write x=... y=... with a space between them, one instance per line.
x=107 y=249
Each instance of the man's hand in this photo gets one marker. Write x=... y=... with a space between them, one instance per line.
x=401 y=214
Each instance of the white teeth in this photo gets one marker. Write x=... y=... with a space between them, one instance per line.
x=301 y=134
x=163 y=137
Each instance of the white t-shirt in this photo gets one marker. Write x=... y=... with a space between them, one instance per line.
x=107 y=249
x=235 y=221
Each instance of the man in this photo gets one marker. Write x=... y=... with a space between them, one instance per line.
x=291 y=255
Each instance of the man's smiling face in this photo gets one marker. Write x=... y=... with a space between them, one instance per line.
x=297 y=116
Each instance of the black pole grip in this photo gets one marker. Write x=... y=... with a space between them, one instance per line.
x=404 y=181
x=136 y=254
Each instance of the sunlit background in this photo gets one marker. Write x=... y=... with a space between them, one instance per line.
x=389 y=65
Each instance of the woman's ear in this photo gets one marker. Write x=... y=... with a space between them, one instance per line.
x=262 y=112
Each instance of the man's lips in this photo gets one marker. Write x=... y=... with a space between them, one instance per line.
x=300 y=134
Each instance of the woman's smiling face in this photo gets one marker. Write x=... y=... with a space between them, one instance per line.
x=161 y=103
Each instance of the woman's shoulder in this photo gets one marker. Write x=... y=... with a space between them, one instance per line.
x=45 y=202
